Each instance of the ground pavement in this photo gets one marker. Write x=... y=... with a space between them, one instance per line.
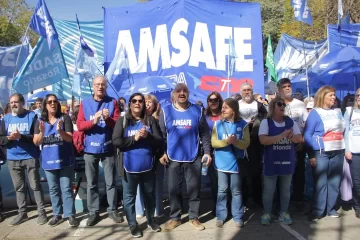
x=345 y=228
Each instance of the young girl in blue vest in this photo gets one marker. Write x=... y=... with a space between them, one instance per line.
x=137 y=136
x=324 y=138
x=278 y=133
x=352 y=148
x=54 y=133
x=230 y=137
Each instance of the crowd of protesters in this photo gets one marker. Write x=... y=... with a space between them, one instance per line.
x=247 y=144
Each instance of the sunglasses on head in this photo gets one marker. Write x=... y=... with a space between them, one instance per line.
x=281 y=104
x=51 y=101
x=213 y=100
x=133 y=101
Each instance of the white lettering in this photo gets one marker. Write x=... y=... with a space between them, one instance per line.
x=180 y=43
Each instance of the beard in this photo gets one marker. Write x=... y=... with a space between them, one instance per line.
x=247 y=99
x=15 y=110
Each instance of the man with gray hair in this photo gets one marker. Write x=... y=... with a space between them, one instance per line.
x=253 y=113
x=97 y=117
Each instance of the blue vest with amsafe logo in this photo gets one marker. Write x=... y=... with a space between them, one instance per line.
x=139 y=157
x=98 y=138
x=279 y=158
x=56 y=153
x=20 y=150
x=182 y=132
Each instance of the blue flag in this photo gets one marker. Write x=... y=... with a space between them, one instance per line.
x=83 y=44
x=42 y=23
x=302 y=11
x=43 y=67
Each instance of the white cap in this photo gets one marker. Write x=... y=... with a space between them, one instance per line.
x=310 y=105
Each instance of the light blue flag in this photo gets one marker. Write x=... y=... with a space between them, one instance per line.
x=83 y=44
x=43 y=67
x=302 y=11
x=42 y=23
x=232 y=55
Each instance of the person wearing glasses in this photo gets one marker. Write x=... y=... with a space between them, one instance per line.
x=183 y=125
x=54 y=133
x=352 y=148
x=97 y=117
x=252 y=112
x=324 y=139
x=137 y=136
x=16 y=134
x=278 y=133
x=296 y=110
x=213 y=114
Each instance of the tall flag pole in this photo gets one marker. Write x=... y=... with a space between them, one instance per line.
x=340 y=15
x=302 y=14
x=232 y=56
x=270 y=64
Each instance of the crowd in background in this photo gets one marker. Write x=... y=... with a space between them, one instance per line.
x=248 y=145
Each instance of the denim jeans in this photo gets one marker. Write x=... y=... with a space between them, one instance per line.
x=60 y=189
x=269 y=190
x=191 y=171
x=327 y=178
x=355 y=176
x=92 y=175
x=159 y=192
x=146 y=181
x=232 y=180
x=17 y=170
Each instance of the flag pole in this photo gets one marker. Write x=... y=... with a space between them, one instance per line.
x=18 y=56
x=228 y=74
x=306 y=70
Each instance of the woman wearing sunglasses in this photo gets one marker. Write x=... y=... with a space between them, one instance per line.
x=278 y=133
x=324 y=139
x=137 y=136
x=213 y=114
x=54 y=133
x=230 y=137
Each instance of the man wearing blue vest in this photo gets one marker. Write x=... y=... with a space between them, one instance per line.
x=97 y=116
x=16 y=134
x=182 y=123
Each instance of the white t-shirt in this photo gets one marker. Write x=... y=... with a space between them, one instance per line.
x=264 y=127
x=296 y=110
x=248 y=110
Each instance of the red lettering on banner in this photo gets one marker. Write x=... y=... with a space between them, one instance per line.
x=213 y=83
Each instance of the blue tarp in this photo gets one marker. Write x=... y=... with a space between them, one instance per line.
x=350 y=36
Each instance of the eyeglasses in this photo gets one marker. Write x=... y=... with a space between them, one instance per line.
x=357 y=95
x=133 y=101
x=181 y=89
x=51 y=101
x=260 y=98
x=100 y=85
x=213 y=100
x=281 y=104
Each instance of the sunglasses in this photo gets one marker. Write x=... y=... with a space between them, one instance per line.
x=51 y=101
x=281 y=104
x=133 y=101
x=357 y=95
x=213 y=100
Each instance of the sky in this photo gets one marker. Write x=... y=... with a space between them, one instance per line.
x=87 y=10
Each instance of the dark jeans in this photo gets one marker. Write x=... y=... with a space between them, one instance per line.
x=212 y=172
x=191 y=171
x=327 y=178
x=92 y=175
x=299 y=176
x=146 y=181
x=355 y=176
x=17 y=170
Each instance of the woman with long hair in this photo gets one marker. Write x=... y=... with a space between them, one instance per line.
x=136 y=135
x=352 y=148
x=230 y=137
x=54 y=133
x=324 y=139
x=213 y=114
x=278 y=134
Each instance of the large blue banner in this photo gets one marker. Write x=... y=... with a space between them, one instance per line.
x=349 y=36
x=187 y=41
x=43 y=67
x=11 y=60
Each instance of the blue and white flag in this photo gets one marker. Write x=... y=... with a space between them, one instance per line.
x=83 y=44
x=340 y=13
x=42 y=23
x=232 y=56
x=302 y=11
x=43 y=67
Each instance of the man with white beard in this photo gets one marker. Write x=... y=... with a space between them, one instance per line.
x=296 y=110
x=252 y=112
